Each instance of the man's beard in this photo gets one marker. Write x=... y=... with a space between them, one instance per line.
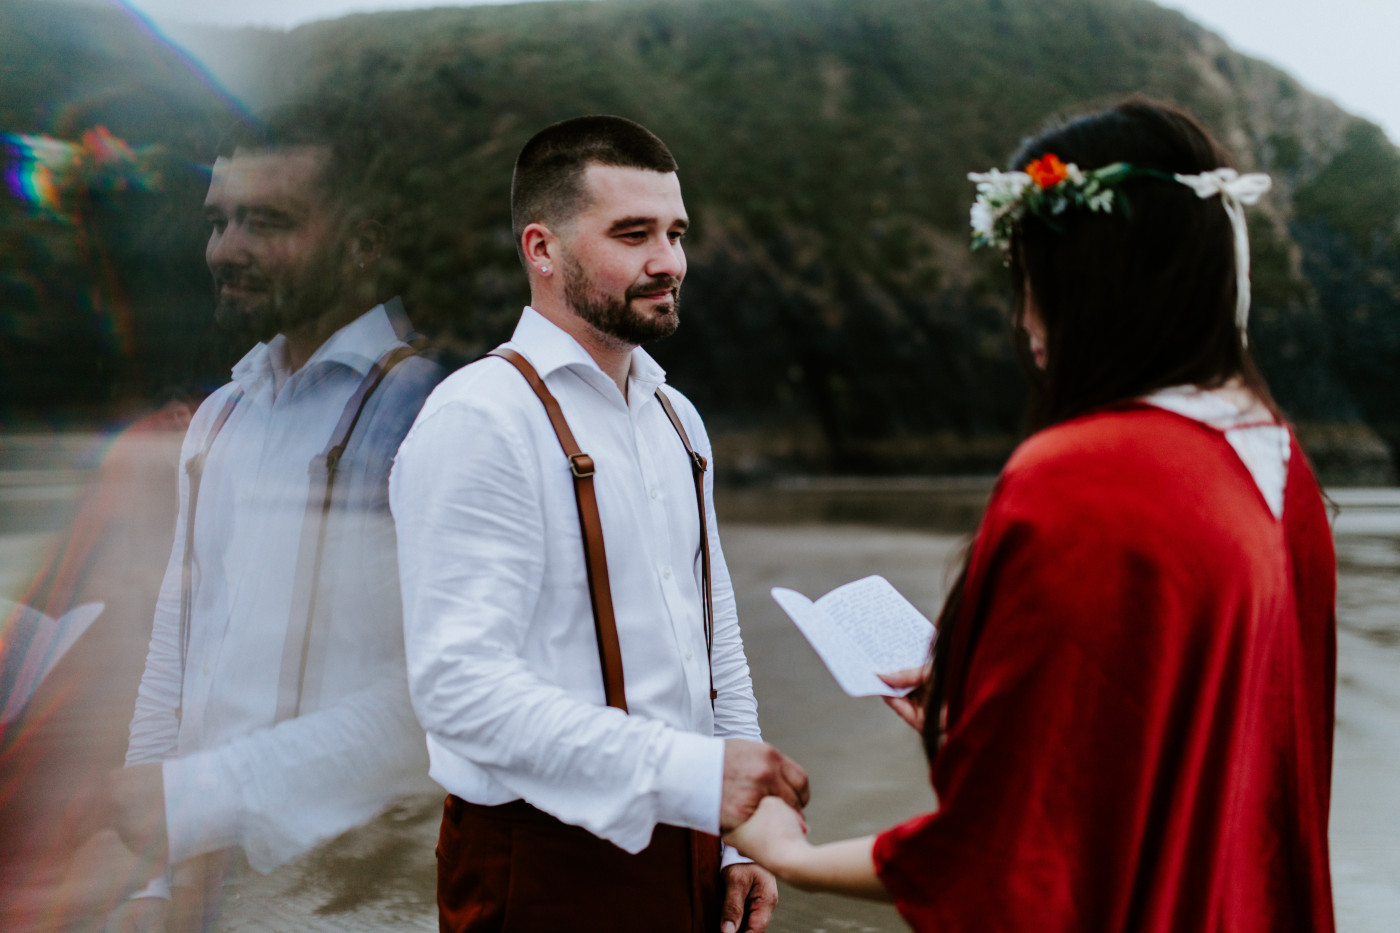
x=257 y=318
x=275 y=308
x=615 y=317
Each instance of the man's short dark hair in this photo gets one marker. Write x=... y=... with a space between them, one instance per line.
x=548 y=182
x=337 y=127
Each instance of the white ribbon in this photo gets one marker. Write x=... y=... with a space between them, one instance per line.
x=1235 y=191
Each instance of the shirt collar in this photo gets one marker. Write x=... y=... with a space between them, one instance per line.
x=549 y=347
x=358 y=345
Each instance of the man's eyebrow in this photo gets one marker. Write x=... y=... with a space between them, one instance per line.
x=258 y=211
x=626 y=223
x=273 y=212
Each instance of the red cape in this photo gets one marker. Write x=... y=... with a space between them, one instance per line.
x=1140 y=697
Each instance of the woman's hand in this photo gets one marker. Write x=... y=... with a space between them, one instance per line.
x=772 y=835
x=910 y=708
x=776 y=837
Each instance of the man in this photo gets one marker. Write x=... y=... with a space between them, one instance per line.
x=565 y=813
x=273 y=713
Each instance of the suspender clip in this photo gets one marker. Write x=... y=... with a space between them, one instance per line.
x=333 y=457
x=582 y=465
x=699 y=461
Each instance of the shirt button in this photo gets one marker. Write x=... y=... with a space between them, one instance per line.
x=689 y=654
x=665 y=573
x=655 y=493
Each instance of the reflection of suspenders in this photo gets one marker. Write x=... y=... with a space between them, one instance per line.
x=595 y=559
x=313 y=538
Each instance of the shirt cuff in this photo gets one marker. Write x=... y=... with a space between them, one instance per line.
x=159 y=887
x=202 y=805
x=691 y=780
x=728 y=855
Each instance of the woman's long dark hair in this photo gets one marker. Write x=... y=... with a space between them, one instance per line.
x=1134 y=300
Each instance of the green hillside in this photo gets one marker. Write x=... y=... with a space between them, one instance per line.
x=105 y=302
x=833 y=313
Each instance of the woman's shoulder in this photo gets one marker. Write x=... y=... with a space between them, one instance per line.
x=1112 y=435
x=1119 y=462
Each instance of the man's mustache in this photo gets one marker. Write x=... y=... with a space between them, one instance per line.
x=241 y=280
x=666 y=282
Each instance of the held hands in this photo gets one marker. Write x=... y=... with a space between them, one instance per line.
x=136 y=796
x=772 y=836
x=76 y=895
x=753 y=771
x=140 y=915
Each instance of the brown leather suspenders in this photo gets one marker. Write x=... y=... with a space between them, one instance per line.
x=308 y=570
x=697 y=469
x=194 y=468
x=308 y=573
x=595 y=559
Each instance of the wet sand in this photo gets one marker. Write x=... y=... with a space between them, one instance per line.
x=866 y=767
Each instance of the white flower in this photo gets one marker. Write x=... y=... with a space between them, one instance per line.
x=1103 y=201
x=1000 y=187
x=982 y=218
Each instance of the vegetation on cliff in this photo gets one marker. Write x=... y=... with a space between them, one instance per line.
x=833 y=311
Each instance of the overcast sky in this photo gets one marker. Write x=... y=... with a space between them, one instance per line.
x=1344 y=49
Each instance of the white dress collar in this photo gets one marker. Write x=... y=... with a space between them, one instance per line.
x=1262 y=444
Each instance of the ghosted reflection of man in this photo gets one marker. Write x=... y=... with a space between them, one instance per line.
x=273 y=713
x=579 y=801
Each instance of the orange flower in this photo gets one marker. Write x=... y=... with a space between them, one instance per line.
x=1047 y=171
x=104 y=147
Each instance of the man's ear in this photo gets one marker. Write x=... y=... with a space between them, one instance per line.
x=541 y=249
x=367 y=241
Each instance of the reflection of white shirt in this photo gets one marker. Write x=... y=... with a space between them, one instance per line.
x=502 y=655
x=231 y=776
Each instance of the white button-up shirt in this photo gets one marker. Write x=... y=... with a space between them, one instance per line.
x=232 y=775
x=502 y=654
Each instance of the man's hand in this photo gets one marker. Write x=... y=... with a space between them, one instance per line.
x=751 y=893
x=910 y=707
x=77 y=895
x=752 y=771
x=137 y=800
x=139 y=915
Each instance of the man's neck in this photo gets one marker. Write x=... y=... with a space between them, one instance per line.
x=613 y=356
x=305 y=339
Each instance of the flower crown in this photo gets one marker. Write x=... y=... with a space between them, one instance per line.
x=1049 y=186
x=1046 y=188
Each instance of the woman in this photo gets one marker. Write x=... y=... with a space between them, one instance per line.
x=1129 y=715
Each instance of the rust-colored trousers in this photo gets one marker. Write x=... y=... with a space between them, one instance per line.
x=515 y=869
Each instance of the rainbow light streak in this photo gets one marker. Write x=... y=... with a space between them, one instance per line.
x=49 y=173
x=148 y=25
x=36 y=161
